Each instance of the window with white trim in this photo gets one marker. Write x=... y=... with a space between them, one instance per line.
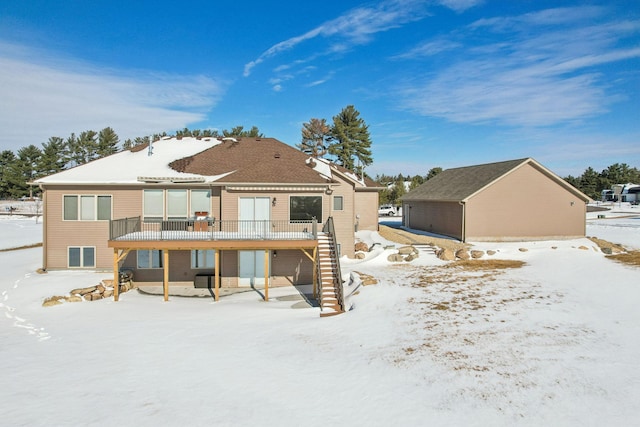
x=202 y=258
x=177 y=204
x=338 y=203
x=200 y=202
x=149 y=258
x=81 y=256
x=174 y=203
x=153 y=205
x=86 y=207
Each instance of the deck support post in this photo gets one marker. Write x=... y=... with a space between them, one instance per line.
x=216 y=275
x=116 y=276
x=315 y=272
x=266 y=275
x=165 y=282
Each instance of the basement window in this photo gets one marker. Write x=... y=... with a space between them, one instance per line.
x=81 y=257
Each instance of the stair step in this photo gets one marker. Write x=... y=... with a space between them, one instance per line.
x=328 y=313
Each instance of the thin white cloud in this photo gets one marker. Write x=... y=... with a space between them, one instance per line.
x=536 y=73
x=555 y=16
x=355 y=27
x=323 y=80
x=460 y=5
x=52 y=97
x=429 y=48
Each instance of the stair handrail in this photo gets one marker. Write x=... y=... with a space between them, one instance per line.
x=330 y=230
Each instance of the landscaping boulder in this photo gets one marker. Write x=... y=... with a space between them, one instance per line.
x=361 y=247
x=395 y=258
x=463 y=254
x=83 y=291
x=446 y=255
x=365 y=279
x=491 y=252
x=410 y=257
x=51 y=301
x=360 y=255
x=407 y=250
x=475 y=254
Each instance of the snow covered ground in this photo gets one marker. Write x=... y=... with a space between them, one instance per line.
x=552 y=343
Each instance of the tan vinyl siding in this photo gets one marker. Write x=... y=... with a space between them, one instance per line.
x=524 y=204
x=364 y=201
x=60 y=234
x=291 y=267
x=126 y=201
x=229 y=269
x=179 y=268
x=436 y=217
x=343 y=221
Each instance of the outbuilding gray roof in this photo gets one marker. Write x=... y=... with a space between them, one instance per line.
x=458 y=184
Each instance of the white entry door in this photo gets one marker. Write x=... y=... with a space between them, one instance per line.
x=256 y=211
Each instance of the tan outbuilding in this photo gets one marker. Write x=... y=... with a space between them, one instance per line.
x=505 y=201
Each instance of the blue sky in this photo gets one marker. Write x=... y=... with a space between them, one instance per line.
x=440 y=83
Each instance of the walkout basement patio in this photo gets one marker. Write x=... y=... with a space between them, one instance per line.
x=136 y=233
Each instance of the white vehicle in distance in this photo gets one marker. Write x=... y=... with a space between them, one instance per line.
x=386 y=210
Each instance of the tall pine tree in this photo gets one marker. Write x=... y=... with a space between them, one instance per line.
x=314 y=137
x=53 y=158
x=107 y=142
x=350 y=140
x=7 y=158
x=23 y=170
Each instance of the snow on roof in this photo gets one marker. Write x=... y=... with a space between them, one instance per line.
x=321 y=166
x=355 y=177
x=127 y=167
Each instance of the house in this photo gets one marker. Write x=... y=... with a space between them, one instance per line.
x=504 y=201
x=630 y=193
x=232 y=213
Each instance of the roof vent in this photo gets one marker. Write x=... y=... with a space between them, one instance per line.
x=276 y=155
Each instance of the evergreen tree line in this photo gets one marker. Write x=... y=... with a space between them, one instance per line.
x=398 y=185
x=592 y=183
x=58 y=154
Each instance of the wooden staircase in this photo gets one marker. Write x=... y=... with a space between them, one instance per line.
x=329 y=276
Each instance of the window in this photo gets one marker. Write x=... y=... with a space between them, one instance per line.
x=200 y=202
x=81 y=256
x=338 y=203
x=70 y=208
x=202 y=259
x=153 y=201
x=176 y=204
x=149 y=258
x=104 y=208
x=305 y=208
x=86 y=207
